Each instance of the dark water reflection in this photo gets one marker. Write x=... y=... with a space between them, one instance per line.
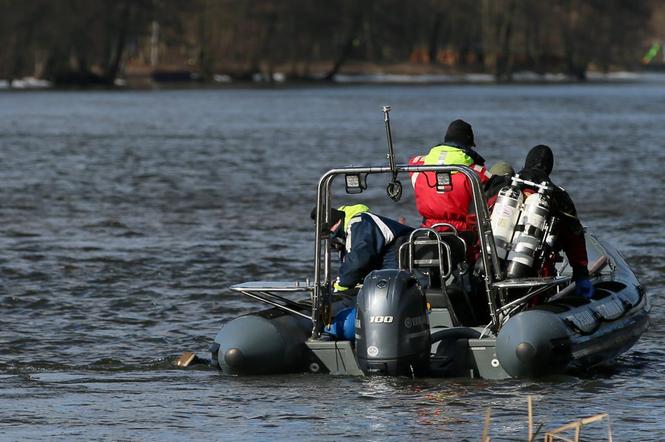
x=127 y=215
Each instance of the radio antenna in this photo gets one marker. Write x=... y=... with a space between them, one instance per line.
x=394 y=188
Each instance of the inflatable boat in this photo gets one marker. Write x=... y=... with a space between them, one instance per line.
x=437 y=315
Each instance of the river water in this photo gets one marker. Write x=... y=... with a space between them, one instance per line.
x=127 y=215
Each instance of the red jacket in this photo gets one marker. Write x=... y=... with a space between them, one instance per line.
x=455 y=206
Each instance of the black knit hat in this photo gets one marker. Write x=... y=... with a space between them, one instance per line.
x=335 y=216
x=460 y=132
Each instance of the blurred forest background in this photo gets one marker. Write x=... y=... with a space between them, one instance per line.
x=96 y=42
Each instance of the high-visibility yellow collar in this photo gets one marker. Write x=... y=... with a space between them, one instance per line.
x=351 y=212
x=447 y=155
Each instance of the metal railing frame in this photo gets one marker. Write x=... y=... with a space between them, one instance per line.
x=322 y=261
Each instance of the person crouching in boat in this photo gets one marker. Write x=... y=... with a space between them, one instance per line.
x=454 y=206
x=537 y=168
x=370 y=243
x=366 y=242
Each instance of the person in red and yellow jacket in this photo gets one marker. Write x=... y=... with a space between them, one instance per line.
x=454 y=206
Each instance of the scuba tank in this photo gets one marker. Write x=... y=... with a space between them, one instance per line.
x=530 y=233
x=504 y=217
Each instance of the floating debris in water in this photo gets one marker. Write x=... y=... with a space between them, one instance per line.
x=185 y=359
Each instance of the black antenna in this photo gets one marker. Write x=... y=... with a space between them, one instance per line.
x=394 y=188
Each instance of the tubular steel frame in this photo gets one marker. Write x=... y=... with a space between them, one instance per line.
x=322 y=263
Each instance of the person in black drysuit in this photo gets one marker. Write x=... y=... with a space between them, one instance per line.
x=537 y=168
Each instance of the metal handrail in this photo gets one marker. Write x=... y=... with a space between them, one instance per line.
x=443 y=274
x=322 y=277
x=440 y=246
x=266 y=291
x=448 y=226
x=552 y=282
x=269 y=298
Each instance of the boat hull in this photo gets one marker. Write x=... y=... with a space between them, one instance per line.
x=567 y=335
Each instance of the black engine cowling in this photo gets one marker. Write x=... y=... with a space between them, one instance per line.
x=392 y=327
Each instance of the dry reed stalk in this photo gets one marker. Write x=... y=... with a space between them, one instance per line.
x=554 y=434
x=486 y=426
x=577 y=425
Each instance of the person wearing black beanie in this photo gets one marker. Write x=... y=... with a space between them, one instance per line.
x=450 y=206
x=455 y=205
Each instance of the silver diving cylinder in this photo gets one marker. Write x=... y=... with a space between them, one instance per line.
x=529 y=234
x=504 y=217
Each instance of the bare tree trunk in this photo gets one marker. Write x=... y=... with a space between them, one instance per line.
x=266 y=53
x=574 y=66
x=504 y=62
x=347 y=48
x=205 y=61
x=113 y=67
x=488 y=32
x=433 y=49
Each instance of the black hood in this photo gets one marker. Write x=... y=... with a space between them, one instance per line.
x=540 y=157
x=538 y=165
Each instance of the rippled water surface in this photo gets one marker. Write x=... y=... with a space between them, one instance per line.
x=127 y=215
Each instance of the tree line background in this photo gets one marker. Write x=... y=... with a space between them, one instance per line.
x=82 y=41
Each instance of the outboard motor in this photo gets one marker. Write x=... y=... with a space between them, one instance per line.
x=504 y=217
x=529 y=234
x=392 y=327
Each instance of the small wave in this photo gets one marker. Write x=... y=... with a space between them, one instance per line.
x=20 y=234
x=107 y=224
x=100 y=365
x=33 y=257
x=24 y=275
